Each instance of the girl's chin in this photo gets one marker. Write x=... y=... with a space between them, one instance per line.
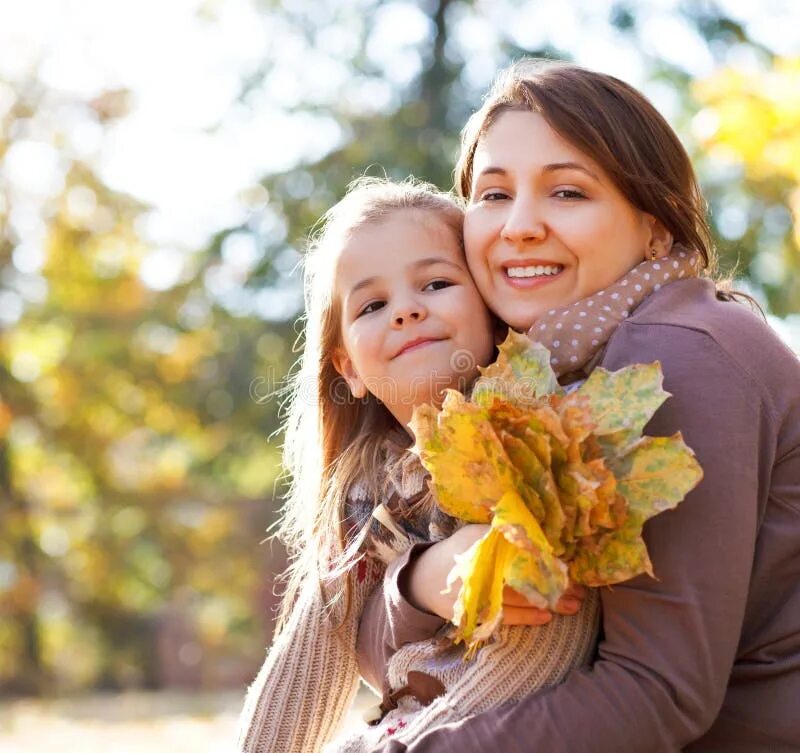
x=430 y=389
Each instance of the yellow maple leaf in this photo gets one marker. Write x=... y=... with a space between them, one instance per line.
x=566 y=481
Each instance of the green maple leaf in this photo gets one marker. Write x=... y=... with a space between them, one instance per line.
x=611 y=557
x=622 y=402
x=654 y=475
x=521 y=373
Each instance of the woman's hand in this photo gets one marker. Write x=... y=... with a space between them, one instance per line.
x=427 y=578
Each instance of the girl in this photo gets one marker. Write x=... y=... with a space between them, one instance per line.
x=393 y=319
x=572 y=178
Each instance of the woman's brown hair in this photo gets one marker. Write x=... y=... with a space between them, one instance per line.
x=612 y=123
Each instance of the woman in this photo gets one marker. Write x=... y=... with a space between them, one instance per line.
x=571 y=178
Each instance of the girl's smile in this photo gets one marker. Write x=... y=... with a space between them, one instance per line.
x=418 y=343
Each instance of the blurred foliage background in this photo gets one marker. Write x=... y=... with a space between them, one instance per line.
x=138 y=449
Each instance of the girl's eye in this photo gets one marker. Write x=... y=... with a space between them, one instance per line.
x=438 y=284
x=371 y=307
x=569 y=193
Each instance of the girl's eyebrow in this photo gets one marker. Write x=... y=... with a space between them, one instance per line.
x=426 y=262
x=431 y=260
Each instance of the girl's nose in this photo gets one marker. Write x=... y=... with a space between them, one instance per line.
x=409 y=311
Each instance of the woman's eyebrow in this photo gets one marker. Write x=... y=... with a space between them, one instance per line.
x=550 y=168
x=491 y=170
x=555 y=166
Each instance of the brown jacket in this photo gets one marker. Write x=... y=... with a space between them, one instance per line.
x=707 y=657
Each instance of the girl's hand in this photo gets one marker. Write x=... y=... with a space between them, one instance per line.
x=427 y=578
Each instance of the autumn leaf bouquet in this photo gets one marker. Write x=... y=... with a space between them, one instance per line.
x=565 y=481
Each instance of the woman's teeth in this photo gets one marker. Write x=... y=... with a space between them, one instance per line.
x=538 y=271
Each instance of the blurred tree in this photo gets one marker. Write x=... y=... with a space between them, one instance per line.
x=396 y=81
x=749 y=128
x=134 y=465
x=135 y=473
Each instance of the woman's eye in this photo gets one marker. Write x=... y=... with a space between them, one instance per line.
x=371 y=307
x=438 y=284
x=494 y=196
x=569 y=193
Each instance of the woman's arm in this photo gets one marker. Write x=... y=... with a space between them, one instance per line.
x=307 y=683
x=669 y=643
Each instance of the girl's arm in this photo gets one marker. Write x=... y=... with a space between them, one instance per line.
x=389 y=621
x=669 y=643
x=307 y=683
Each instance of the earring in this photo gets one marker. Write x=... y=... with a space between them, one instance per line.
x=653 y=254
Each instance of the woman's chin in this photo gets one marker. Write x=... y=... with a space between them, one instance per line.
x=522 y=318
x=522 y=314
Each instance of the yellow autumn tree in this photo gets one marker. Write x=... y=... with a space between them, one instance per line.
x=751 y=117
x=135 y=470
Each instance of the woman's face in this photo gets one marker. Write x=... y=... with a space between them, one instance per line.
x=546 y=226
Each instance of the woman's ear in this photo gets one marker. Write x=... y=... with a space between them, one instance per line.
x=660 y=242
x=344 y=365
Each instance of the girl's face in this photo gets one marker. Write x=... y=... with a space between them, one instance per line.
x=413 y=322
x=546 y=226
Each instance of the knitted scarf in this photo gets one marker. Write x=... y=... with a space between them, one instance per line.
x=577 y=333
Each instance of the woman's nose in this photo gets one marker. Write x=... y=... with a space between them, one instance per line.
x=524 y=222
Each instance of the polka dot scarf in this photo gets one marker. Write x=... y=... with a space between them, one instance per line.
x=574 y=335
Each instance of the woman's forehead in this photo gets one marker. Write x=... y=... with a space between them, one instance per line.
x=520 y=136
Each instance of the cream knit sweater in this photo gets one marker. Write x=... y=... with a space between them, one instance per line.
x=300 y=697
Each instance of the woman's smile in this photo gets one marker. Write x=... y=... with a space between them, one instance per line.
x=524 y=275
x=545 y=225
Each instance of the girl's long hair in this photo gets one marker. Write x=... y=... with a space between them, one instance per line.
x=334 y=441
